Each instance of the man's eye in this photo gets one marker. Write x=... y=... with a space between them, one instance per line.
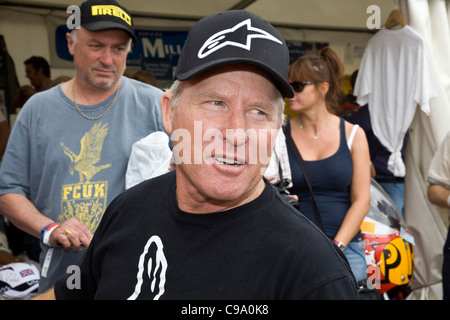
x=258 y=113
x=216 y=105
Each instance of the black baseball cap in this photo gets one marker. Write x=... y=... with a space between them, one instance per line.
x=235 y=36
x=106 y=14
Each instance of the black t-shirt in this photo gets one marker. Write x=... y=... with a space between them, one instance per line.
x=147 y=248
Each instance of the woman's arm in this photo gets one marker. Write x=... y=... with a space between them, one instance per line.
x=359 y=189
x=438 y=195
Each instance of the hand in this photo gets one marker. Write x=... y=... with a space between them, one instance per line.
x=71 y=234
x=27 y=91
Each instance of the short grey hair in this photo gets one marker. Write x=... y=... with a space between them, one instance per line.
x=177 y=89
x=73 y=35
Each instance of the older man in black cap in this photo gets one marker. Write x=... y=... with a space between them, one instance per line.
x=70 y=146
x=214 y=228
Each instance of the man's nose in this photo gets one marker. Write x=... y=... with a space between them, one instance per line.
x=236 y=137
x=106 y=57
x=236 y=133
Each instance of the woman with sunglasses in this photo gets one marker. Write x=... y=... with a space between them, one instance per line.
x=335 y=152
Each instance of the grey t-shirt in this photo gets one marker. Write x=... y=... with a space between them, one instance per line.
x=69 y=166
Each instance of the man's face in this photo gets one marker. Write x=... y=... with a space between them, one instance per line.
x=223 y=128
x=32 y=74
x=100 y=56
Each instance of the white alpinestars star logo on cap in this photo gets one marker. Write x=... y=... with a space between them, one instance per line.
x=225 y=38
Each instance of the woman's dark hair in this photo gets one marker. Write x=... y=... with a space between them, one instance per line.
x=323 y=66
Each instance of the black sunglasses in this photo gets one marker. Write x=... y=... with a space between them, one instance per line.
x=299 y=86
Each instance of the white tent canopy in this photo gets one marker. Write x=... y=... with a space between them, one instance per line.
x=324 y=14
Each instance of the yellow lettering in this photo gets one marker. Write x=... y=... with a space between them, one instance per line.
x=66 y=192
x=99 y=190
x=76 y=192
x=87 y=191
x=102 y=10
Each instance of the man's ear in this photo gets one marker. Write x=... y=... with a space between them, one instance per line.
x=70 y=44
x=166 y=109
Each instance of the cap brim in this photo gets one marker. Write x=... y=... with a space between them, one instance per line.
x=280 y=82
x=102 y=25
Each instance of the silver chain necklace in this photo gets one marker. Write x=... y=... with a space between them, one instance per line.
x=314 y=136
x=93 y=118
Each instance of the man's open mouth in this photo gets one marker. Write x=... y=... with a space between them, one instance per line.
x=232 y=162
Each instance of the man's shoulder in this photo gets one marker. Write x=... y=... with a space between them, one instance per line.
x=148 y=188
x=45 y=96
x=139 y=86
x=134 y=202
x=312 y=259
x=297 y=230
x=292 y=219
x=41 y=103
